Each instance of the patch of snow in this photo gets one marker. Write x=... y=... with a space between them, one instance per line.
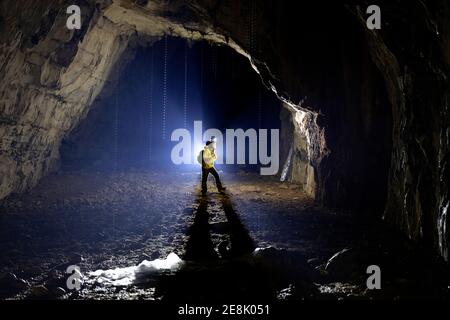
x=136 y=274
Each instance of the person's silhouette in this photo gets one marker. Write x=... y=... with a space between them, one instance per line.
x=208 y=156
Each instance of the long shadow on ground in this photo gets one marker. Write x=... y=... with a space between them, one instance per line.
x=217 y=273
x=233 y=270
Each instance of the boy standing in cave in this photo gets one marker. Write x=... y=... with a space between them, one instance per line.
x=208 y=156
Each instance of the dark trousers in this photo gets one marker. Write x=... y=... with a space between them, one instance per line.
x=205 y=173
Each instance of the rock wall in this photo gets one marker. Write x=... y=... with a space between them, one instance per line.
x=379 y=98
x=415 y=70
x=303 y=147
x=50 y=76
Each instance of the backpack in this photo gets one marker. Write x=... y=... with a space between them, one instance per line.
x=200 y=157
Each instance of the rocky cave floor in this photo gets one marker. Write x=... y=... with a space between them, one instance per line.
x=99 y=220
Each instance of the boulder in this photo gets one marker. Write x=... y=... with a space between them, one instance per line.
x=347 y=264
x=10 y=283
x=40 y=292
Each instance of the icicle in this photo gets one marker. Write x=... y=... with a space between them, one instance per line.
x=259 y=109
x=185 y=85
x=286 y=166
x=214 y=62
x=116 y=127
x=232 y=66
x=201 y=68
x=164 y=91
x=251 y=28
x=150 y=107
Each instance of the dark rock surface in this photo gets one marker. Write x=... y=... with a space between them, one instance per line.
x=133 y=216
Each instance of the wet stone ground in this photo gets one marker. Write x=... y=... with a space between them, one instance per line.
x=261 y=240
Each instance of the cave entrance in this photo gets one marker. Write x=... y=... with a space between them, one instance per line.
x=174 y=85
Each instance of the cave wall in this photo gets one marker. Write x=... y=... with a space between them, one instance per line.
x=380 y=98
x=415 y=69
x=50 y=76
x=302 y=145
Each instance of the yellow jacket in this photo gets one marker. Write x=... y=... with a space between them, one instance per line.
x=209 y=156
